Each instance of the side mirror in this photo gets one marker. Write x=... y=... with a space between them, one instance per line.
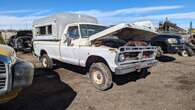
x=67 y=35
x=68 y=40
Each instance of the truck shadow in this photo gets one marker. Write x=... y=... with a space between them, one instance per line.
x=131 y=77
x=118 y=79
x=46 y=93
x=73 y=68
x=165 y=58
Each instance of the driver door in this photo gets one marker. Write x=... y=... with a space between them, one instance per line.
x=70 y=45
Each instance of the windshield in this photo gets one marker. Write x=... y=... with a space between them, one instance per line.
x=88 y=30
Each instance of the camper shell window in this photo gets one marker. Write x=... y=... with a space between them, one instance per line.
x=49 y=29
x=44 y=30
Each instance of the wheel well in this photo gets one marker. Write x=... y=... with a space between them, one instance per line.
x=162 y=45
x=43 y=52
x=95 y=59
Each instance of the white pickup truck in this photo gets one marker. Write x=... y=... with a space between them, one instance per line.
x=78 y=40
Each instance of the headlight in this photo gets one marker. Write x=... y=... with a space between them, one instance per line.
x=172 y=40
x=23 y=74
x=121 y=57
x=13 y=57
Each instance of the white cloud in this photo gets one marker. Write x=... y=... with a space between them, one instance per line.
x=187 y=15
x=16 y=20
x=35 y=12
x=16 y=11
x=138 y=14
x=13 y=22
x=99 y=13
x=105 y=17
x=8 y=19
x=41 y=12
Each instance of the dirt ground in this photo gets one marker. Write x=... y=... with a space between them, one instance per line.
x=169 y=86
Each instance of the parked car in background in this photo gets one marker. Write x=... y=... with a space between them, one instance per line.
x=189 y=46
x=15 y=74
x=104 y=51
x=168 y=43
x=22 y=41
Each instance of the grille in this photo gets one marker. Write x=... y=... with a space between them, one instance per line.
x=3 y=75
x=147 y=54
x=134 y=54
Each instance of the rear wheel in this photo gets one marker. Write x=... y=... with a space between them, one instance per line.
x=46 y=62
x=100 y=76
x=184 y=53
x=187 y=52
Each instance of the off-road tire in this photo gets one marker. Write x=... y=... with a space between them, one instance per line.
x=46 y=62
x=104 y=74
x=190 y=51
x=184 y=53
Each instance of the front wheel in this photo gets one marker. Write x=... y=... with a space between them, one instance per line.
x=100 y=76
x=46 y=62
x=183 y=53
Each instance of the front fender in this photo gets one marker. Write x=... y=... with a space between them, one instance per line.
x=108 y=56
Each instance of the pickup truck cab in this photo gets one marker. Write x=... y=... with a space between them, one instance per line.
x=78 y=40
x=15 y=74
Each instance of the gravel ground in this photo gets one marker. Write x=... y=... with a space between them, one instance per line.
x=169 y=86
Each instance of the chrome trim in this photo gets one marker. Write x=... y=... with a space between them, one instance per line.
x=140 y=49
x=5 y=75
x=125 y=69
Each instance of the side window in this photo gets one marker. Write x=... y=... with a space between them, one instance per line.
x=49 y=30
x=73 y=32
x=44 y=30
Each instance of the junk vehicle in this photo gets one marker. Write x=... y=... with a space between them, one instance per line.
x=22 y=41
x=189 y=47
x=15 y=74
x=168 y=43
x=78 y=40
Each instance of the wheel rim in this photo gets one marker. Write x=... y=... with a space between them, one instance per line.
x=98 y=77
x=184 y=53
x=44 y=62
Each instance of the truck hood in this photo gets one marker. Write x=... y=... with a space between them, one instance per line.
x=8 y=52
x=126 y=32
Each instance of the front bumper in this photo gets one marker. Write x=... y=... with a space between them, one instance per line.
x=9 y=96
x=132 y=67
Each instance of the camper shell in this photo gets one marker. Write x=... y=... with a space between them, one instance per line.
x=59 y=23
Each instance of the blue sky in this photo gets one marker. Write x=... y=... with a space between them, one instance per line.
x=20 y=13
